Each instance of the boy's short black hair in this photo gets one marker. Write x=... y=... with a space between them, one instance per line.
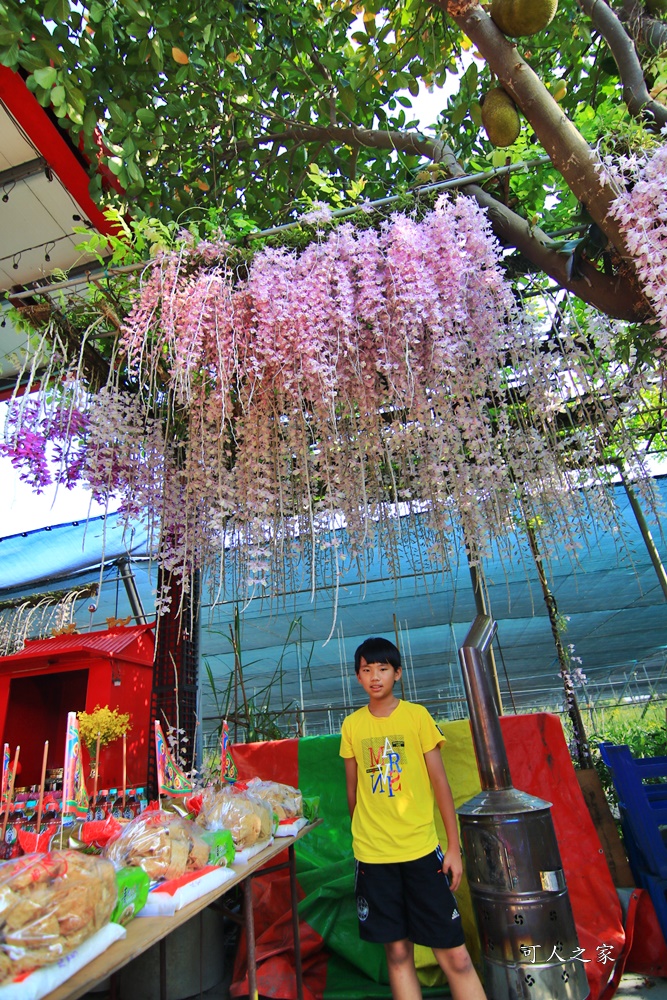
x=377 y=650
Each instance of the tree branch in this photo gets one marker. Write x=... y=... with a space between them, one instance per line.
x=357 y=137
x=647 y=31
x=613 y=294
x=568 y=150
x=635 y=92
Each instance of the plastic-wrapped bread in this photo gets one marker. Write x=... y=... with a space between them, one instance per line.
x=285 y=801
x=163 y=844
x=49 y=904
x=248 y=819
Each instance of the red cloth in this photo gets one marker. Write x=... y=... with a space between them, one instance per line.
x=540 y=764
x=648 y=954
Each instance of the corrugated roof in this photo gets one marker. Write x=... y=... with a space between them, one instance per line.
x=111 y=642
x=45 y=555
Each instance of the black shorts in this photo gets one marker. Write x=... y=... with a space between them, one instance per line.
x=408 y=899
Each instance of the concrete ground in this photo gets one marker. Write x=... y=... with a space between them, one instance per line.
x=634 y=987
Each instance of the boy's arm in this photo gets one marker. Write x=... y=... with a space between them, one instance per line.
x=351 y=783
x=452 y=864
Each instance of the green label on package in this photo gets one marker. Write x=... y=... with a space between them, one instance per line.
x=221 y=847
x=133 y=885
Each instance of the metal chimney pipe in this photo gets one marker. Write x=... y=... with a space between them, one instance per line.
x=494 y=772
x=517 y=884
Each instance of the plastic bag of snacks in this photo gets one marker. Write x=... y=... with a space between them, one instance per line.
x=163 y=844
x=133 y=886
x=285 y=801
x=49 y=904
x=221 y=847
x=249 y=820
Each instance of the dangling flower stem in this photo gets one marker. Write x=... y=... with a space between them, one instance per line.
x=582 y=748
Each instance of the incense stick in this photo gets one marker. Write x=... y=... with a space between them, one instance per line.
x=10 y=793
x=124 y=768
x=41 y=787
x=97 y=767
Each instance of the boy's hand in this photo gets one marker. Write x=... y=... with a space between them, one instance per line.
x=452 y=866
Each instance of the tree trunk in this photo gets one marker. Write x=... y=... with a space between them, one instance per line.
x=568 y=150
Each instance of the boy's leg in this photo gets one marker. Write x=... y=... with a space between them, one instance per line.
x=402 y=973
x=461 y=975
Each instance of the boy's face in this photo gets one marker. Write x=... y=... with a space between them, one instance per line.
x=377 y=679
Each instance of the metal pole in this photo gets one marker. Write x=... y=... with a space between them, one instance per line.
x=490 y=750
x=250 y=938
x=477 y=579
x=645 y=532
x=127 y=576
x=298 y=968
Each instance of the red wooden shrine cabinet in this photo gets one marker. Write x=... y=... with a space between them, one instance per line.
x=75 y=673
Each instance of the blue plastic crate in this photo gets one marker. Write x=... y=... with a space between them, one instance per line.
x=643 y=810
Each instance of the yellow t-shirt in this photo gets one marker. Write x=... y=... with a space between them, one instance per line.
x=393 y=819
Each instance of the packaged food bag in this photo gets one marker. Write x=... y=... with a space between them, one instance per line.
x=249 y=820
x=163 y=844
x=221 y=847
x=285 y=801
x=49 y=904
x=133 y=888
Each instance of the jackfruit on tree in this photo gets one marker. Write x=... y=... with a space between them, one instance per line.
x=518 y=18
x=500 y=117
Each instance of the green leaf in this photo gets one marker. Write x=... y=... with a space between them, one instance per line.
x=348 y=100
x=456 y=115
x=115 y=165
x=75 y=96
x=53 y=52
x=97 y=11
x=157 y=57
x=56 y=10
x=117 y=113
x=46 y=76
x=30 y=61
x=9 y=56
x=107 y=31
x=470 y=78
x=8 y=37
x=146 y=116
x=43 y=96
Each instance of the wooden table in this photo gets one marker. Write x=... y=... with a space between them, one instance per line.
x=144 y=932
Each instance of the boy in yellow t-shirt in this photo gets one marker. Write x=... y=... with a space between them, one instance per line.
x=394 y=771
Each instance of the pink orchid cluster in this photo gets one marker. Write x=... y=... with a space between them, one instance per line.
x=375 y=375
x=640 y=209
x=43 y=437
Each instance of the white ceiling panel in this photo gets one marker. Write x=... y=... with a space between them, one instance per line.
x=14 y=147
x=37 y=219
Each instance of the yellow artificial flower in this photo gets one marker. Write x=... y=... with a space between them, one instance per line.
x=109 y=723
